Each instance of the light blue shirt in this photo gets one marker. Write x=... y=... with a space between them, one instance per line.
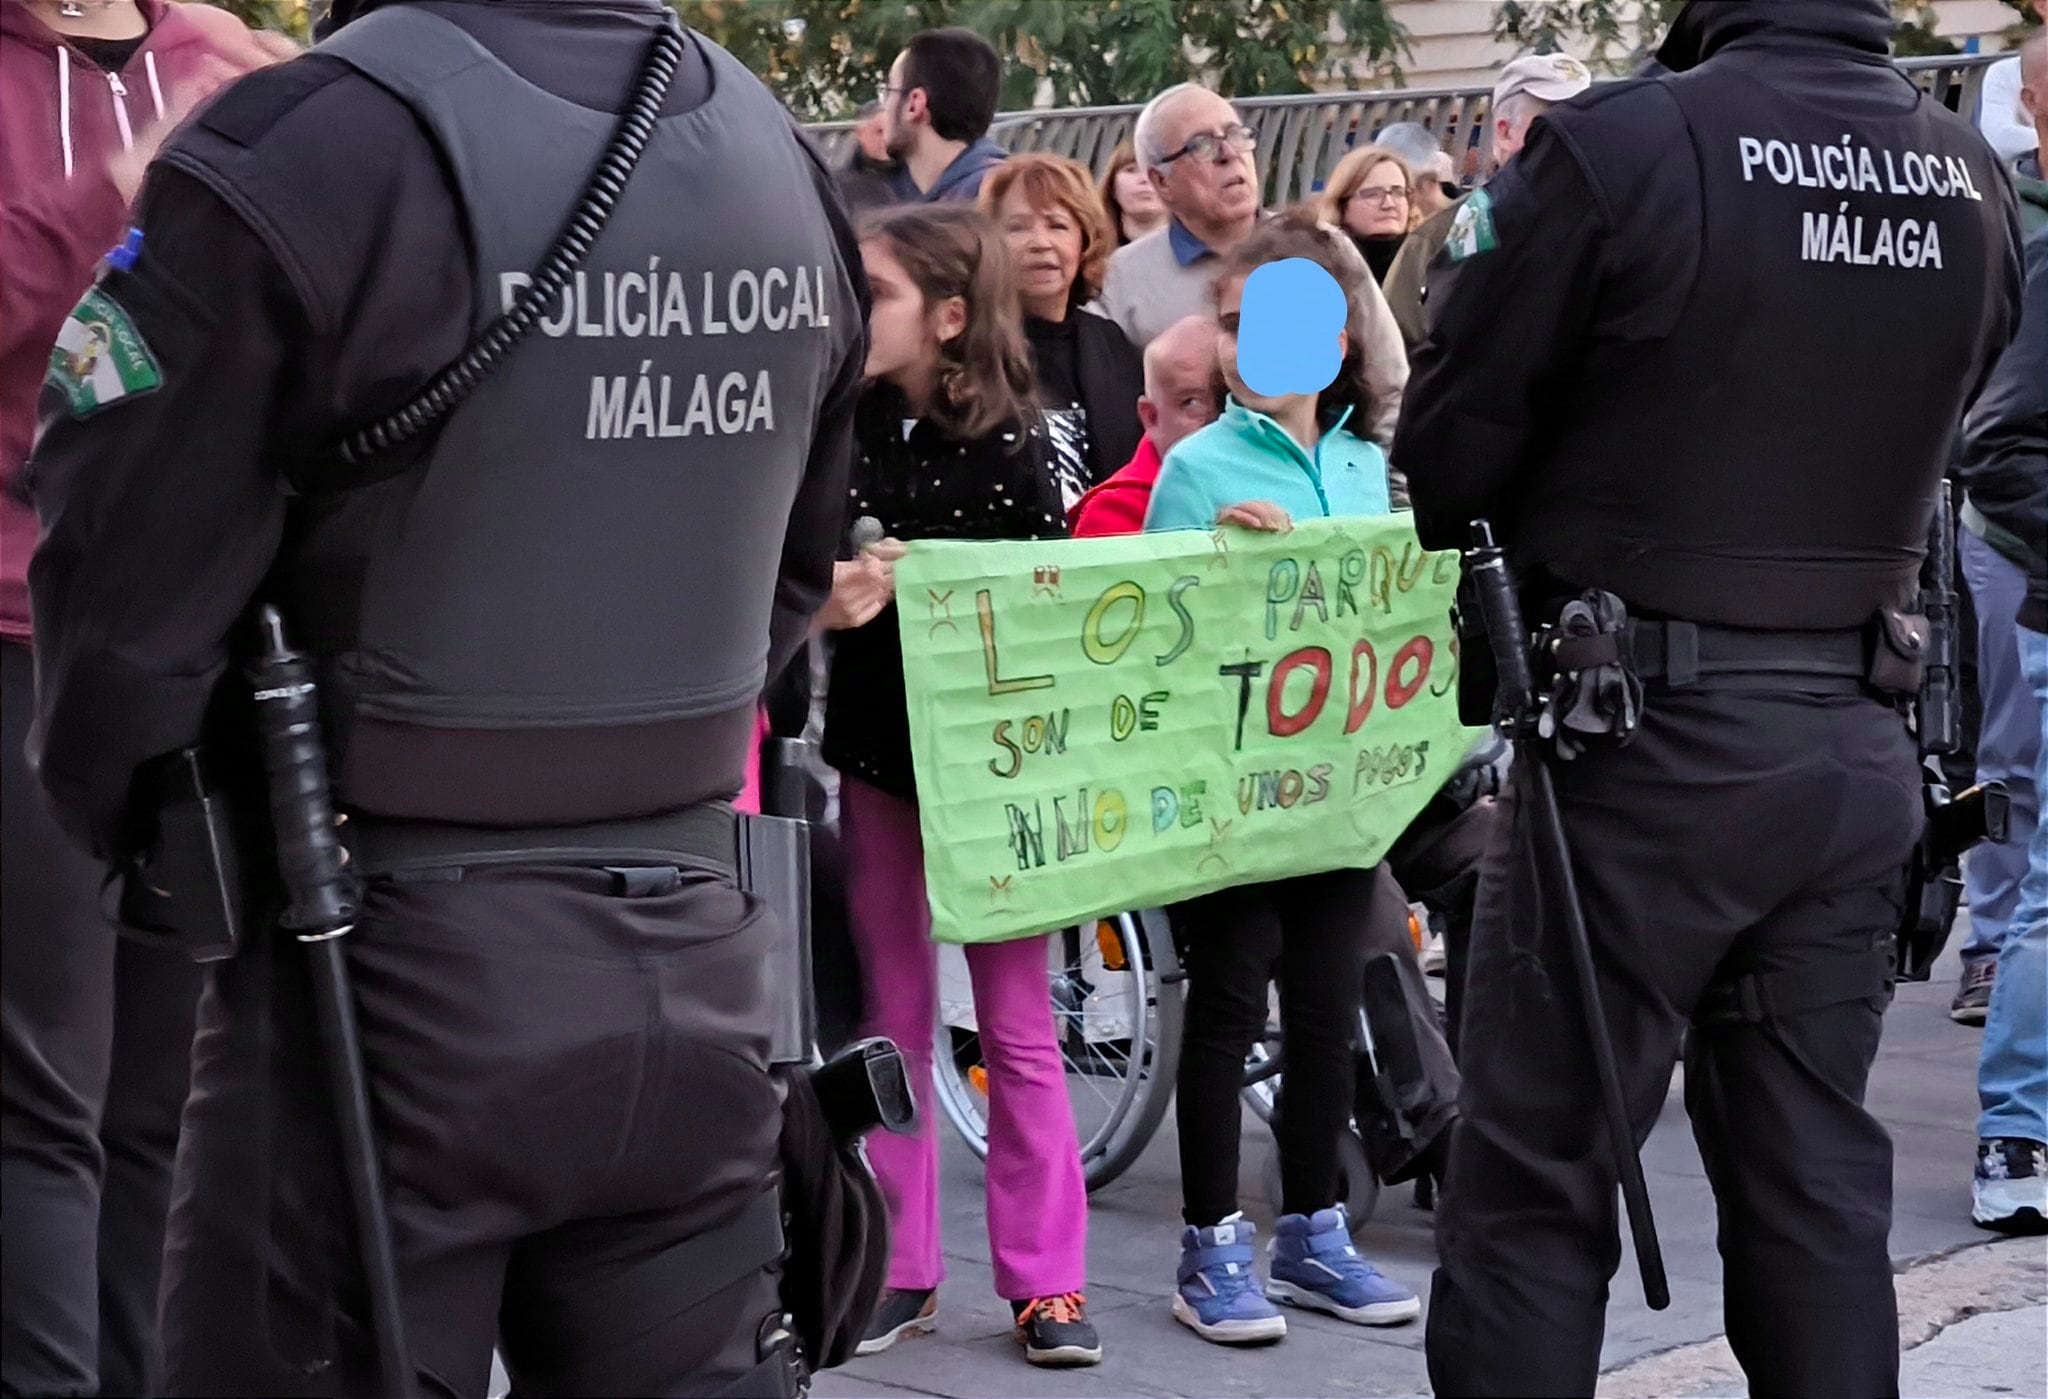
x=1245 y=455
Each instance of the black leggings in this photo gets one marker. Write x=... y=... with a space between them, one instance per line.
x=1312 y=934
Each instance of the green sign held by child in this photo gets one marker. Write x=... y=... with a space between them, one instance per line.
x=1107 y=724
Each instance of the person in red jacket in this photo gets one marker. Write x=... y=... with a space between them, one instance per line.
x=1183 y=392
x=88 y=1119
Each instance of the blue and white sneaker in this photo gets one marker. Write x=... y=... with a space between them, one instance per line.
x=1315 y=1265
x=1219 y=1297
x=2010 y=1192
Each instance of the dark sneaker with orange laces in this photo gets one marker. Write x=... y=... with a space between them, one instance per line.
x=1056 y=1330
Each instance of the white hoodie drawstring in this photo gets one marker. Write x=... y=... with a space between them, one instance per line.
x=64 y=105
x=117 y=93
x=156 y=90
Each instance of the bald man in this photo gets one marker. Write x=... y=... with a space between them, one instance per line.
x=2029 y=176
x=1183 y=393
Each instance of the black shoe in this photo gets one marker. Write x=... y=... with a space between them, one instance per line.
x=1973 y=1001
x=1056 y=1331
x=903 y=1311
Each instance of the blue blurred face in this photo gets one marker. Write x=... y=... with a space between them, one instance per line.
x=1275 y=316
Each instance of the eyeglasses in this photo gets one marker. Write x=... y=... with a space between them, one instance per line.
x=1214 y=145
x=1386 y=196
x=885 y=92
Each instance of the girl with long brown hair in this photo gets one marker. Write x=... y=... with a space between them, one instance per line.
x=950 y=448
x=1134 y=206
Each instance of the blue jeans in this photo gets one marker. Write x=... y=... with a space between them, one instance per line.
x=2012 y=1074
x=2008 y=746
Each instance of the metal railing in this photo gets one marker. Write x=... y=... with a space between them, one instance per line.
x=1301 y=137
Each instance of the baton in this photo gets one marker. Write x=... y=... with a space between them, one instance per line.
x=1937 y=712
x=1515 y=712
x=320 y=912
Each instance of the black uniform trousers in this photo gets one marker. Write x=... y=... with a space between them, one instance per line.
x=95 y=1050
x=1740 y=834
x=569 y=1086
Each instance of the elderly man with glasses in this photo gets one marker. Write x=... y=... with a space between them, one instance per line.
x=1198 y=155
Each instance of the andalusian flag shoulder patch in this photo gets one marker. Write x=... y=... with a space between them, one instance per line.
x=1472 y=228
x=100 y=357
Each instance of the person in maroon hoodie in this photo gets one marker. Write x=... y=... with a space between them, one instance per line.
x=88 y=1118
x=1183 y=392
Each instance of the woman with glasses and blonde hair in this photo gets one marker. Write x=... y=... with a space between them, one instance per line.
x=1371 y=196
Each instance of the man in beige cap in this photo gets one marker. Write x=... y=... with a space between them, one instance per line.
x=1528 y=88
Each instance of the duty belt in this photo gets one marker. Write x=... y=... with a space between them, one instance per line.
x=694 y=837
x=1680 y=654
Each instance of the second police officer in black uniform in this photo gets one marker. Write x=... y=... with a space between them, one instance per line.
x=541 y=630
x=1704 y=347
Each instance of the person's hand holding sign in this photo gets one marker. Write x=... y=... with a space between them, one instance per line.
x=1256 y=514
x=862 y=587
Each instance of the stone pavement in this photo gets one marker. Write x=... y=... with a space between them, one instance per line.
x=1970 y=1305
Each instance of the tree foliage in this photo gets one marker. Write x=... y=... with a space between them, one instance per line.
x=285 y=16
x=1617 y=36
x=825 y=57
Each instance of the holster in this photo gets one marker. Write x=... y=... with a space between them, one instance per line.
x=1899 y=648
x=185 y=889
x=835 y=1218
x=1934 y=889
x=1588 y=667
x=774 y=860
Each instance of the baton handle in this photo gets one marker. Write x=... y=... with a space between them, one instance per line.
x=1938 y=716
x=1506 y=636
x=309 y=853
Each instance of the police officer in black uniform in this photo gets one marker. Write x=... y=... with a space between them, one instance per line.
x=541 y=629
x=1703 y=347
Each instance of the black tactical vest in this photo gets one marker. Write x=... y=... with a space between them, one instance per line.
x=1845 y=236
x=594 y=539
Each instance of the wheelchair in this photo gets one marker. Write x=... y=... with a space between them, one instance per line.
x=1117 y=1009
x=1116 y=987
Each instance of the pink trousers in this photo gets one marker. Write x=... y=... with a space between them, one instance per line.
x=1037 y=1202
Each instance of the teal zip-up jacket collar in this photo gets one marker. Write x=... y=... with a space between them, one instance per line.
x=1246 y=455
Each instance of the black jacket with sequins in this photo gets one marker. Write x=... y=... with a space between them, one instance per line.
x=918 y=483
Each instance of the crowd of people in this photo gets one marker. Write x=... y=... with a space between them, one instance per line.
x=1151 y=260
x=1049 y=354
x=1061 y=357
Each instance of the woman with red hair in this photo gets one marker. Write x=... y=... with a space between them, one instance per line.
x=1089 y=375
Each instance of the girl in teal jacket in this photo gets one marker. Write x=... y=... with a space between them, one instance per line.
x=1266 y=462
x=1269 y=461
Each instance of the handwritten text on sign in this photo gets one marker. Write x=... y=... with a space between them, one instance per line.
x=1107 y=724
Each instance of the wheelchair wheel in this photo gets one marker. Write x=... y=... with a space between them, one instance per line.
x=1358 y=1189
x=1116 y=1002
x=1358 y=1185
